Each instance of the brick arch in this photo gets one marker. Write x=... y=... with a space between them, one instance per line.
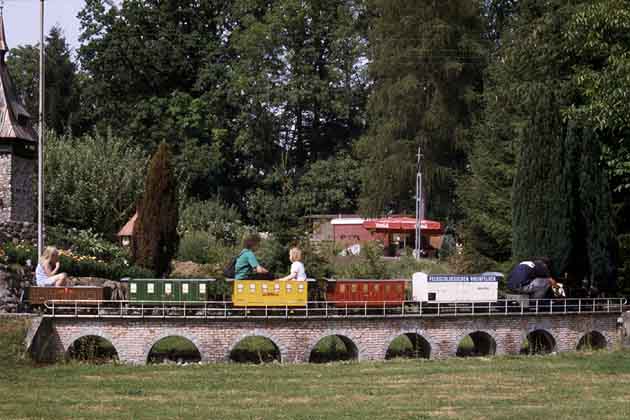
x=433 y=344
x=152 y=341
x=583 y=334
x=312 y=342
x=498 y=349
x=282 y=347
x=95 y=333
x=544 y=328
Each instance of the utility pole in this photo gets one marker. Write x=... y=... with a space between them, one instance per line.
x=419 y=205
x=42 y=132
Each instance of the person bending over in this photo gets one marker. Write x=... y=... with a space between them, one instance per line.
x=532 y=278
x=247 y=266
x=47 y=273
x=297 y=267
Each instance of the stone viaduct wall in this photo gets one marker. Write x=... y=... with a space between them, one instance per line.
x=295 y=339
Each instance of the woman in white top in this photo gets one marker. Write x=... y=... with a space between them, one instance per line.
x=297 y=268
x=46 y=272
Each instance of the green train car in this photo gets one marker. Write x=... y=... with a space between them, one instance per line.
x=169 y=290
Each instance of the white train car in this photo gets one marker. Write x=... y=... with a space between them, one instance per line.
x=455 y=288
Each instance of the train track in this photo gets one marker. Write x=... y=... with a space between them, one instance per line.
x=327 y=309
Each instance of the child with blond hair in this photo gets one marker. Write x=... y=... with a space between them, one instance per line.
x=297 y=267
x=46 y=272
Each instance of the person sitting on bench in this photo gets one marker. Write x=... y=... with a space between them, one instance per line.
x=247 y=266
x=532 y=278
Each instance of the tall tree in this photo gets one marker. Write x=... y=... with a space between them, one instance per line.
x=160 y=70
x=155 y=235
x=232 y=86
x=301 y=63
x=485 y=188
x=426 y=62
x=561 y=199
x=62 y=84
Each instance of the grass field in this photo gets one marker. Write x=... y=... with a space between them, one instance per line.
x=571 y=386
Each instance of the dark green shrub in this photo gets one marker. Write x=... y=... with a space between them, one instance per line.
x=624 y=263
x=156 y=239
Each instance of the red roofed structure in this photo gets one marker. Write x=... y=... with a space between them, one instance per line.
x=125 y=234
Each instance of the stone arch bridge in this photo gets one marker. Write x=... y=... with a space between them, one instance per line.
x=370 y=337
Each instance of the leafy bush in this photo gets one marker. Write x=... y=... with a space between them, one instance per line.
x=220 y=255
x=317 y=260
x=471 y=261
x=219 y=220
x=19 y=254
x=86 y=242
x=368 y=265
x=195 y=246
x=274 y=255
x=408 y=265
x=92 y=181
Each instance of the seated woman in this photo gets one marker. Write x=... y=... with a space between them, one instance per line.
x=247 y=266
x=46 y=272
x=297 y=267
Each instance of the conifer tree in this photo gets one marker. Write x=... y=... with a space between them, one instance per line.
x=427 y=60
x=561 y=198
x=543 y=198
x=484 y=190
x=156 y=240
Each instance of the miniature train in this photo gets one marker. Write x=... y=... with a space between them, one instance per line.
x=276 y=293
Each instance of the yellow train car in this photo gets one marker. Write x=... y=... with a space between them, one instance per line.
x=272 y=293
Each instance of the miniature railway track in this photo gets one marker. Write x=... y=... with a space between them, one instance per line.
x=327 y=309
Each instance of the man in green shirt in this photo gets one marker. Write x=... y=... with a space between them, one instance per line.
x=247 y=266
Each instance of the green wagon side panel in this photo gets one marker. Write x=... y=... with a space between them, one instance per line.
x=175 y=290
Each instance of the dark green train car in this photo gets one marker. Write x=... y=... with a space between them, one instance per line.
x=171 y=290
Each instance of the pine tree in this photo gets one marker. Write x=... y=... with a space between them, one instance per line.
x=427 y=59
x=62 y=84
x=543 y=199
x=595 y=204
x=156 y=240
x=484 y=190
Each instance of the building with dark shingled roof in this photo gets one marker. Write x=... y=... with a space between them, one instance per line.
x=18 y=146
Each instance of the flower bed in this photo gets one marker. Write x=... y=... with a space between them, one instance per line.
x=74 y=264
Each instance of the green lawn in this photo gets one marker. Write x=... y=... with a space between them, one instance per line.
x=571 y=386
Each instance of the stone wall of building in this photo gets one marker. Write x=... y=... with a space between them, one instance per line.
x=18 y=232
x=5 y=186
x=295 y=339
x=17 y=188
x=23 y=189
